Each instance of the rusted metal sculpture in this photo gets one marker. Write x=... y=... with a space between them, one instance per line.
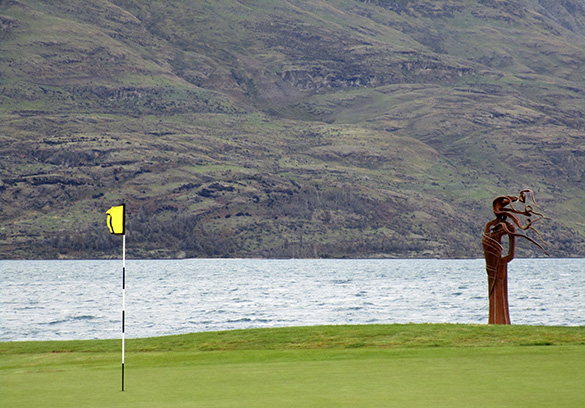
x=509 y=216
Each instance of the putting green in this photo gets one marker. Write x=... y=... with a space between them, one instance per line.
x=340 y=366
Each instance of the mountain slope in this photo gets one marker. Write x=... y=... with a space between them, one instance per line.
x=305 y=129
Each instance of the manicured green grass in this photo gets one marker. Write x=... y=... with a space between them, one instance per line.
x=330 y=366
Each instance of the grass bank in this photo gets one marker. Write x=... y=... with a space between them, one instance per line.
x=415 y=365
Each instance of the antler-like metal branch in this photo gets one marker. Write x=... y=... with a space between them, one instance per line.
x=505 y=228
x=503 y=207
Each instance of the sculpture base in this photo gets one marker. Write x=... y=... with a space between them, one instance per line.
x=498 y=291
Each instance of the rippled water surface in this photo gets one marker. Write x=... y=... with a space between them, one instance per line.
x=50 y=300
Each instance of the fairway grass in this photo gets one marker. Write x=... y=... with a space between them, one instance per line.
x=325 y=366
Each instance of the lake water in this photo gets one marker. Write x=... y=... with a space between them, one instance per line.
x=57 y=300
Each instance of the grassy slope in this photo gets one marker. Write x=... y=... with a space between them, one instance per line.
x=280 y=129
x=380 y=365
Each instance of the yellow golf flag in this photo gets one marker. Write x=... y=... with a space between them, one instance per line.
x=116 y=219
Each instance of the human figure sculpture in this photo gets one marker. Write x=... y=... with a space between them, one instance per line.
x=508 y=217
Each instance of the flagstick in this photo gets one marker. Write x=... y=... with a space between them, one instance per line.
x=116 y=222
x=123 y=304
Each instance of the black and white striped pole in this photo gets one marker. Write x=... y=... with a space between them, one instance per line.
x=116 y=221
x=123 y=305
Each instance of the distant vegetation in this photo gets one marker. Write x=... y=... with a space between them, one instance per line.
x=340 y=128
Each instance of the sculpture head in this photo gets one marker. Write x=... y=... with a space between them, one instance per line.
x=516 y=209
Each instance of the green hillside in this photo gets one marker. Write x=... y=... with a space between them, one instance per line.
x=338 y=128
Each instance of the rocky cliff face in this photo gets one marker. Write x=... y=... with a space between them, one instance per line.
x=314 y=128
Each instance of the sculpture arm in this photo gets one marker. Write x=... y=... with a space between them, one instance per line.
x=511 y=248
x=510 y=231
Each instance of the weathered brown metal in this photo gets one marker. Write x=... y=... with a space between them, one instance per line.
x=506 y=207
